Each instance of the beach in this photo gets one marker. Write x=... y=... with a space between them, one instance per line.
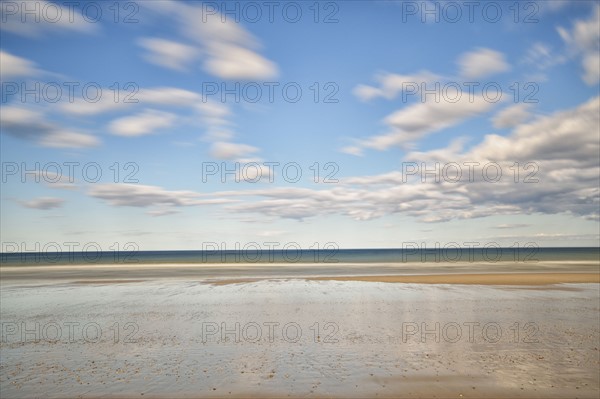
x=187 y=331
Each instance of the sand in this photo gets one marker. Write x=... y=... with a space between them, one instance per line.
x=337 y=338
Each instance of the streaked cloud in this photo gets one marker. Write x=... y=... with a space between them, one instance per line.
x=584 y=40
x=33 y=19
x=146 y=122
x=228 y=51
x=12 y=66
x=390 y=85
x=28 y=123
x=43 y=203
x=231 y=151
x=482 y=63
x=512 y=116
x=139 y=195
x=169 y=54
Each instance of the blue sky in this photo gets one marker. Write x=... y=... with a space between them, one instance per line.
x=362 y=117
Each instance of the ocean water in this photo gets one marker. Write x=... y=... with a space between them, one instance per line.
x=291 y=256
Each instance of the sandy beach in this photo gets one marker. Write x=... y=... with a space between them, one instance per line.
x=444 y=335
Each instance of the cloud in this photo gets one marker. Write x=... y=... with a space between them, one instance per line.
x=390 y=85
x=481 y=63
x=231 y=151
x=432 y=113
x=13 y=66
x=414 y=122
x=352 y=150
x=228 y=50
x=146 y=122
x=60 y=138
x=560 y=150
x=232 y=62
x=541 y=56
x=584 y=39
x=511 y=226
x=168 y=54
x=162 y=212
x=55 y=180
x=33 y=19
x=139 y=195
x=43 y=203
x=512 y=116
x=29 y=124
x=214 y=116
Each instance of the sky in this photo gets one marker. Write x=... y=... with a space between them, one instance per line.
x=177 y=125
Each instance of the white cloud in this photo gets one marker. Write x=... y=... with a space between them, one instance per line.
x=481 y=63
x=214 y=116
x=512 y=116
x=87 y=107
x=563 y=145
x=584 y=39
x=541 y=56
x=168 y=96
x=228 y=50
x=412 y=123
x=169 y=54
x=447 y=108
x=235 y=62
x=68 y=139
x=162 y=212
x=143 y=123
x=511 y=226
x=34 y=18
x=390 y=85
x=29 y=124
x=12 y=66
x=139 y=195
x=591 y=67
x=43 y=203
x=352 y=150
x=231 y=151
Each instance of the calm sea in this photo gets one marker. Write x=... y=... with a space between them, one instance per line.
x=293 y=255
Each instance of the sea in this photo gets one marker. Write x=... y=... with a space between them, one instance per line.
x=294 y=255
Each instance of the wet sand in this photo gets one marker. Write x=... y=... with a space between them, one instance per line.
x=298 y=338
